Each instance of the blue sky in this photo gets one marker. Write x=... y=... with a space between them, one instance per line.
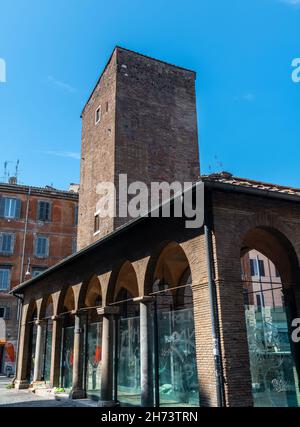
x=248 y=106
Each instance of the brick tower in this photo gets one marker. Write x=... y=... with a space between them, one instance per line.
x=140 y=120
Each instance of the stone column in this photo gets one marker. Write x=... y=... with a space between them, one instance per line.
x=106 y=392
x=78 y=391
x=146 y=351
x=55 y=351
x=37 y=374
x=22 y=381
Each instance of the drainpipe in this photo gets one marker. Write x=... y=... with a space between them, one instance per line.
x=214 y=310
x=20 y=299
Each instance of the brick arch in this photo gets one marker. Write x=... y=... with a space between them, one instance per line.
x=277 y=247
x=47 y=307
x=31 y=310
x=170 y=261
x=66 y=296
x=124 y=276
x=90 y=292
x=261 y=220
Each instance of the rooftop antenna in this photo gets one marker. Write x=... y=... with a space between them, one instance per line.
x=17 y=170
x=6 y=172
x=218 y=163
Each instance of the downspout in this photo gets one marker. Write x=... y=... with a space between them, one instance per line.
x=20 y=299
x=213 y=305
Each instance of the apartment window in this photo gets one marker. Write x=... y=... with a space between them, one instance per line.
x=5 y=313
x=260 y=300
x=42 y=247
x=98 y=115
x=96 y=223
x=257 y=267
x=253 y=267
x=44 y=209
x=36 y=271
x=246 y=297
x=4 y=278
x=261 y=266
x=10 y=208
x=6 y=243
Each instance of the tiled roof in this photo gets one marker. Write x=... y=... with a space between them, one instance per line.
x=227 y=178
x=20 y=188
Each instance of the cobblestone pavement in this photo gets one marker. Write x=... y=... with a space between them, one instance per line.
x=25 y=398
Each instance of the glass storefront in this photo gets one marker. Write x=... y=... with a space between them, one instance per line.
x=273 y=371
x=46 y=363
x=32 y=350
x=129 y=389
x=178 y=381
x=128 y=351
x=93 y=359
x=272 y=362
x=67 y=357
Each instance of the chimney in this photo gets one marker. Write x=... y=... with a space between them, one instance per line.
x=12 y=180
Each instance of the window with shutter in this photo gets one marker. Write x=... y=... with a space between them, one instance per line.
x=5 y=313
x=42 y=247
x=6 y=243
x=10 y=208
x=36 y=271
x=4 y=278
x=43 y=211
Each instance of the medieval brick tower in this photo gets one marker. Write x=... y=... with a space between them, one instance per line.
x=140 y=120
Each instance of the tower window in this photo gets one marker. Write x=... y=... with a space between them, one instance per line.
x=98 y=115
x=96 y=223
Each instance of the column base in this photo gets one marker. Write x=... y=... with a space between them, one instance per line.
x=21 y=384
x=77 y=394
x=108 y=403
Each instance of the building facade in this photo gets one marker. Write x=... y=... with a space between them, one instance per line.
x=155 y=313
x=37 y=229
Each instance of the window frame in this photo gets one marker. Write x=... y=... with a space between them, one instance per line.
x=8 y=270
x=98 y=110
x=6 y=312
x=36 y=269
x=37 y=237
x=17 y=211
x=96 y=220
x=12 y=243
x=39 y=202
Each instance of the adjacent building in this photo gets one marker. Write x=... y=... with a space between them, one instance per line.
x=38 y=228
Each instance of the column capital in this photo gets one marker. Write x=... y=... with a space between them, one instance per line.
x=39 y=322
x=78 y=312
x=108 y=310
x=144 y=299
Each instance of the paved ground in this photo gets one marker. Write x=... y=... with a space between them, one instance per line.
x=25 y=398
